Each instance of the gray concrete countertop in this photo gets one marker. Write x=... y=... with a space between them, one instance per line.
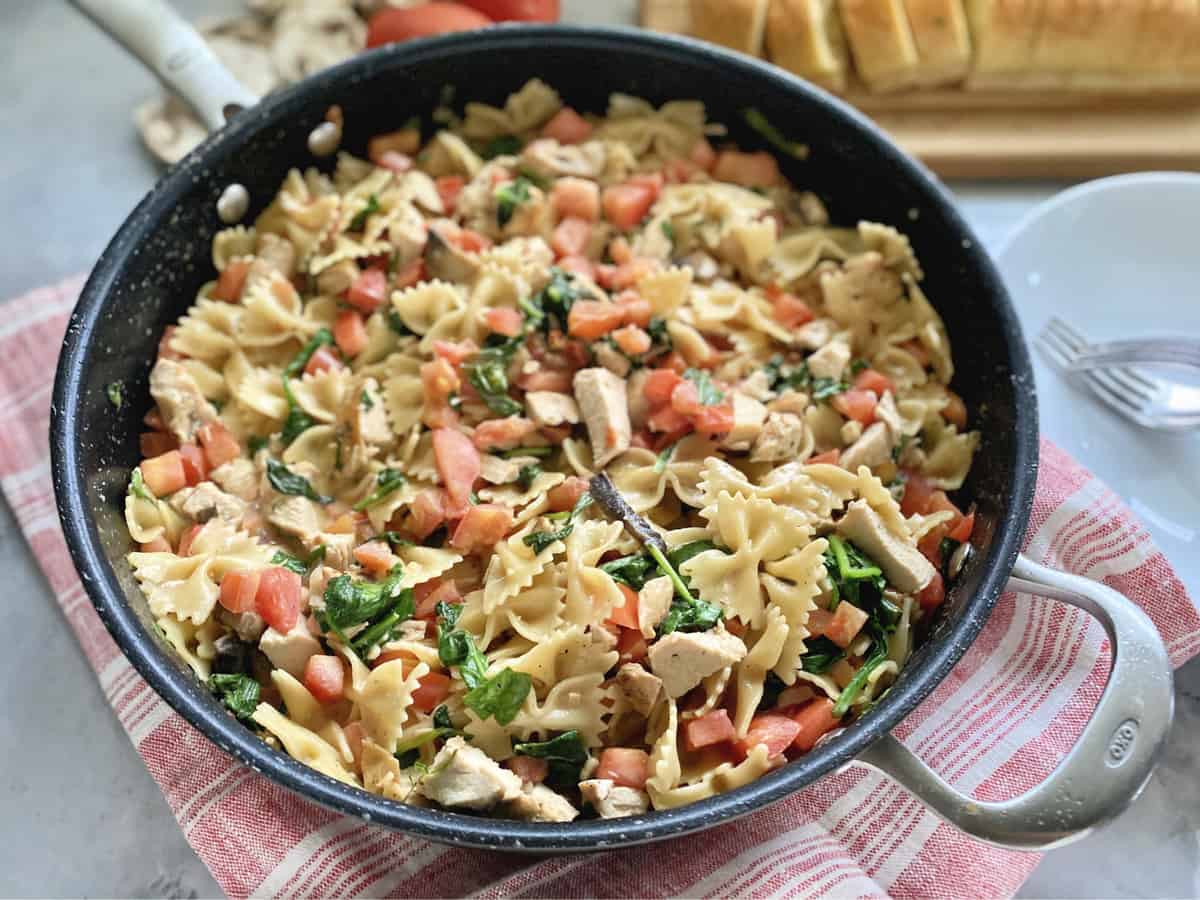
x=79 y=814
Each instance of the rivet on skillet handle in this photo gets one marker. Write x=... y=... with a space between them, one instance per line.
x=155 y=33
x=1114 y=756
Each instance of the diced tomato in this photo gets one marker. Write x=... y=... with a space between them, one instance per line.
x=394 y=161
x=159 y=545
x=504 y=434
x=278 y=598
x=428 y=511
x=355 y=733
x=448 y=188
x=164 y=474
x=669 y=420
x=368 y=291
x=772 y=729
x=955 y=411
x=375 y=556
x=829 y=457
x=530 y=769
x=238 y=590
x=220 y=446
x=590 y=319
x=625 y=766
x=847 y=622
x=632 y=340
x=961 y=531
x=503 y=320
x=556 y=380
x=703 y=155
x=857 y=405
x=790 y=311
x=638 y=311
x=431 y=593
x=564 y=496
x=674 y=362
x=746 y=169
x=619 y=250
x=156 y=443
x=679 y=171
x=571 y=237
x=406 y=141
x=187 y=539
x=469 y=241
x=195 y=466
x=350 y=332
x=917 y=351
x=627 y=615
x=457 y=463
x=576 y=198
x=713 y=420
x=482 y=528
x=818 y=621
x=917 y=494
x=578 y=265
x=567 y=127
x=629 y=274
x=711 y=728
x=625 y=205
x=455 y=354
x=393 y=24
x=413 y=273
x=231 y=281
x=815 y=719
x=322 y=360
x=685 y=398
x=631 y=646
x=325 y=678
x=431 y=690
x=876 y=382
x=933 y=594
x=660 y=385
x=517 y=10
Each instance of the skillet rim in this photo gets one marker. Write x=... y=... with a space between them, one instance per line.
x=183 y=691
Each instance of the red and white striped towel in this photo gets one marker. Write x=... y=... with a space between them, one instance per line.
x=995 y=727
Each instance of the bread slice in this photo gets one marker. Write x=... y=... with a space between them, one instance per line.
x=1084 y=40
x=1167 y=49
x=939 y=28
x=736 y=24
x=805 y=37
x=1004 y=34
x=885 y=55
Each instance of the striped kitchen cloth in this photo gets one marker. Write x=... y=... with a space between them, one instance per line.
x=1001 y=721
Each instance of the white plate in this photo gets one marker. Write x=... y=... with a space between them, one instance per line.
x=1118 y=257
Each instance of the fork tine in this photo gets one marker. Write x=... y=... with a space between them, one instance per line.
x=1069 y=335
x=1107 y=378
x=1133 y=386
x=1061 y=355
x=1117 y=401
x=1144 y=380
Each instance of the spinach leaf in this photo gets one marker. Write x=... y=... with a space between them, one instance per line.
x=527 y=475
x=669 y=230
x=631 y=571
x=540 y=540
x=773 y=686
x=323 y=338
x=300 y=566
x=566 y=754
x=360 y=220
x=442 y=728
x=504 y=145
x=487 y=371
x=297 y=421
x=684 y=552
x=285 y=481
x=500 y=696
x=826 y=388
x=693 y=615
x=391 y=538
x=137 y=486
x=659 y=336
x=876 y=657
x=710 y=394
x=557 y=297
x=256 y=443
x=509 y=196
x=441 y=718
x=541 y=452
x=365 y=400
x=660 y=464
x=756 y=120
x=821 y=654
x=859 y=365
x=349 y=603
x=850 y=569
x=397 y=324
x=388 y=481
x=114 y=392
x=240 y=693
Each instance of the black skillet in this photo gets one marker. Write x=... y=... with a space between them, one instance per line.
x=149 y=274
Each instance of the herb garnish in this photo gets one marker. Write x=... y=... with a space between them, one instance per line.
x=540 y=540
x=114 y=391
x=756 y=120
x=285 y=481
x=360 y=220
x=509 y=196
x=566 y=755
x=239 y=693
x=388 y=481
x=527 y=475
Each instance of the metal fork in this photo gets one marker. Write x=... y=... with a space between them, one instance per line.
x=1150 y=402
x=1184 y=352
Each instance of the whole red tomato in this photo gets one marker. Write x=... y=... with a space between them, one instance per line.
x=389 y=26
x=516 y=10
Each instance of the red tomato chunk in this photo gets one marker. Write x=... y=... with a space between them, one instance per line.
x=711 y=728
x=278 y=598
x=325 y=678
x=772 y=729
x=624 y=765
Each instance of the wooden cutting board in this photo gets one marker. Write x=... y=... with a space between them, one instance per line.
x=1015 y=134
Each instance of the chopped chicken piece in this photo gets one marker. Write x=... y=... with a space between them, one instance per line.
x=551 y=408
x=886 y=412
x=635 y=396
x=641 y=688
x=602 y=403
x=290 y=651
x=873 y=448
x=339 y=547
x=369 y=416
x=465 y=777
x=789 y=402
x=780 y=440
x=183 y=407
x=612 y=800
x=682 y=660
x=411 y=630
x=278 y=251
x=206 y=501
x=538 y=803
x=758 y=386
x=830 y=361
x=815 y=334
x=297 y=516
x=497 y=470
x=906 y=569
x=654 y=602
x=550 y=159
x=748 y=418
x=237 y=477
x=382 y=775
x=612 y=359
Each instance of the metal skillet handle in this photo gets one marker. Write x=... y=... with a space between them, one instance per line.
x=1113 y=758
x=175 y=52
